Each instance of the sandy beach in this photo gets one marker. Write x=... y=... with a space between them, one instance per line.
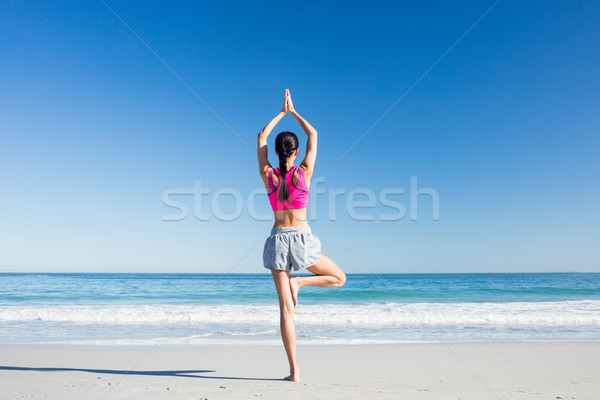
x=519 y=370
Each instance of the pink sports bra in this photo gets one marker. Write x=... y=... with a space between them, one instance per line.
x=298 y=193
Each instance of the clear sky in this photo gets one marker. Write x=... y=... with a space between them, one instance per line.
x=95 y=130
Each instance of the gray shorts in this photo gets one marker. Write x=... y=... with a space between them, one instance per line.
x=291 y=247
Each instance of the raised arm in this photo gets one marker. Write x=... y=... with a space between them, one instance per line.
x=261 y=149
x=308 y=164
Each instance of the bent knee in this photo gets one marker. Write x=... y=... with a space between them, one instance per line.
x=341 y=279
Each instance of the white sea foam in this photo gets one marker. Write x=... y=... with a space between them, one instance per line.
x=198 y=341
x=585 y=312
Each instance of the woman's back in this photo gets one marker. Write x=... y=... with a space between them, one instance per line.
x=292 y=211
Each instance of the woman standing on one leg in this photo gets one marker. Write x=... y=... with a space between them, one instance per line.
x=291 y=244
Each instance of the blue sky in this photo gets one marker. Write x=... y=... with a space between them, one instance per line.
x=94 y=129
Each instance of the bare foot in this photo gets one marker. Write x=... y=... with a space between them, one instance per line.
x=294 y=287
x=293 y=377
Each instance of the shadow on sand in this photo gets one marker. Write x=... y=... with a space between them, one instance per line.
x=184 y=373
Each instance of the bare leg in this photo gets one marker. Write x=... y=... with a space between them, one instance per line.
x=286 y=320
x=327 y=274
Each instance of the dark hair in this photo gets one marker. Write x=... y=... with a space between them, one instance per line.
x=285 y=144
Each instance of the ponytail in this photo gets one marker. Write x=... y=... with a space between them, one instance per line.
x=285 y=144
x=283 y=188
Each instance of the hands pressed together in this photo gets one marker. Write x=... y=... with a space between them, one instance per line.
x=288 y=106
x=311 y=144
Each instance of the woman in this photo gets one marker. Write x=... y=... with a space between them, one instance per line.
x=292 y=244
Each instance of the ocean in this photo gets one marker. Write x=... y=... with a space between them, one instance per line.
x=231 y=309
